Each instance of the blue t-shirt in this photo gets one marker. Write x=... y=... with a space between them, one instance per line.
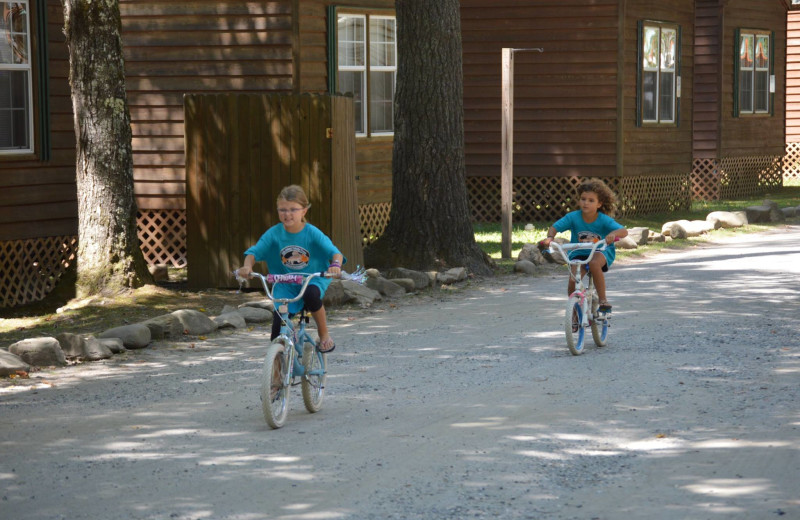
x=307 y=251
x=583 y=231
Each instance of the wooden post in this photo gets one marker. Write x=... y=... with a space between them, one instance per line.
x=507 y=136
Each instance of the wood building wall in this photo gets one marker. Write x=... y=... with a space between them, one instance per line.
x=38 y=198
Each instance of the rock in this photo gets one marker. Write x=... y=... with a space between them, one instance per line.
x=39 y=352
x=255 y=314
x=373 y=273
x=555 y=257
x=531 y=253
x=639 y=235
x=406 y=283
x=385 y=287
x=95 y=349
x=133 y=336
x=451 y=276
x=656 y=237
x=74 y=346
x=260 y=304
x=790 y=212
x=10 y=364
x=525 y=267
x=230 y=319
x=165 y=326
x=195 y=323
x=768 y=212
x=113 y=344
x=160 y=272
x=626 y=243
x=686 y=228
x=727 y=219
x=359 y=294
x=335 y=295
x=421 y=280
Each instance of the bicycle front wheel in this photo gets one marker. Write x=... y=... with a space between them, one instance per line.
x=313 y=384
x=274 y=391
x=573 y=326
x=599 y=324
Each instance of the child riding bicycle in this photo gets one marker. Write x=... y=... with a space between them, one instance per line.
x=295 y=246
x=591 y=223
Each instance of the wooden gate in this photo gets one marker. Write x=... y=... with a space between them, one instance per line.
x=241 y=149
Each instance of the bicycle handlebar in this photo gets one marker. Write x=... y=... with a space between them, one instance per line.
x=358 y=276
x=590 y=247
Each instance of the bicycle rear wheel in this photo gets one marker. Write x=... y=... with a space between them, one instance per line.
x=573 y=326
x=599 y=324
x=274 y=393
x=313 y=384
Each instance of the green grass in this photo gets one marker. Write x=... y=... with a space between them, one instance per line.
x=489 y=236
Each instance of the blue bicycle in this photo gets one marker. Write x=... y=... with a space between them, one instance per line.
x=292 y=358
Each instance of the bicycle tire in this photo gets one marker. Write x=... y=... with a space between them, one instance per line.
x=599 y=326
x=314 y=377
x=274 y=393
x=573 y=328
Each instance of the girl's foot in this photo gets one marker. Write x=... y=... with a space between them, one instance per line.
x=604 y=307
x=326 y=345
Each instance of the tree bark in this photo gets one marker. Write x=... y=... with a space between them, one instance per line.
x=429 y=223
x=109 y=257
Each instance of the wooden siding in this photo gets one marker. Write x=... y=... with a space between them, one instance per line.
x=760 y=135
x=707 y=79
x=565 y=98
x=793 y=77
x=173 y=48
x=39 y=198
x=373 y=155
x=662 y=149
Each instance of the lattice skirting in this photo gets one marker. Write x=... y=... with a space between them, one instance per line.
x=31 y=268
x=735 y=177
x=374 y=218
x=546 y=199
x=791 y=163
x=162 y=236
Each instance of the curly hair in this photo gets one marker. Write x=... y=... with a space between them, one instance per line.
x=607 y=198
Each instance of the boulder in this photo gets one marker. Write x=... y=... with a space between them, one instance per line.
x=687 y=228
x=406 y=283
x=525 y=267
x=10 y=364
x=727 y=219
x=767 y=212
x=113 y=344
x=194 y=323
x=259 y=304
x=656 y=237
x=385 y=287
x=451 y=276
x=95 y=349
x=789 y=212
x=133 y=336
x=639 y=235
x=421 y=280
x=360 y=294
x=165 y=326
x=39 y=352
x=159 y=272
x=230 y=319
x=255 y=314
x=531 y=253
x=335 y=295
x=74 y=346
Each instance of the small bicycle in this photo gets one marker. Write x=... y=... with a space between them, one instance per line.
x=293 y=354
x=582 y=305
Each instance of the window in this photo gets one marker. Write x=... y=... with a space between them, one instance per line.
x=367 y=69
x=659 y=77
x=754 y=76
x=16 y=115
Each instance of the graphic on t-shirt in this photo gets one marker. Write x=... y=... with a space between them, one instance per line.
x=294 y=257
x=588 y=236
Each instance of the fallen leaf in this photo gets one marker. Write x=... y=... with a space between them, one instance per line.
x=661 y=435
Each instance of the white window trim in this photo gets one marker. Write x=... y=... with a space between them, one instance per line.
x=660 y=26
x=755 y=34
x=29 y=68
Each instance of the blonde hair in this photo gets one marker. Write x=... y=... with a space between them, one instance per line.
x=294 y=193
x=607 y=198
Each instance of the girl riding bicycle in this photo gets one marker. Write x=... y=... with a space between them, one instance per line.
x=591 y=223
x=294 y=246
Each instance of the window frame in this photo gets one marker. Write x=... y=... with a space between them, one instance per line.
x=28 y=69
x=738 y=111
x=675 y=70
x=334 y=69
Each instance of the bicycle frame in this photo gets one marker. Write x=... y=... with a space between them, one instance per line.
x=581 y=300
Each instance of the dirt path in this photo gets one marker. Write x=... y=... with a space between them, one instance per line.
x=462 y=405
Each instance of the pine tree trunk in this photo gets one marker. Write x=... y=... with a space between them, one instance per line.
x=429 y=224
x=109 y=257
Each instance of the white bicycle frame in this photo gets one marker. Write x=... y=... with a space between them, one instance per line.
x=575 y=266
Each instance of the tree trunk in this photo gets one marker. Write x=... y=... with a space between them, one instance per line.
x=429 y=223
x=109 y=257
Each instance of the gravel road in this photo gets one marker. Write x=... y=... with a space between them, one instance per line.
x=454 y=405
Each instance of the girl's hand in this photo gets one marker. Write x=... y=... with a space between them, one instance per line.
x=244 y=271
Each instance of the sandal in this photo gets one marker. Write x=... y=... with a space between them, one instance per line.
x=321 y=346
x=604 y=307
